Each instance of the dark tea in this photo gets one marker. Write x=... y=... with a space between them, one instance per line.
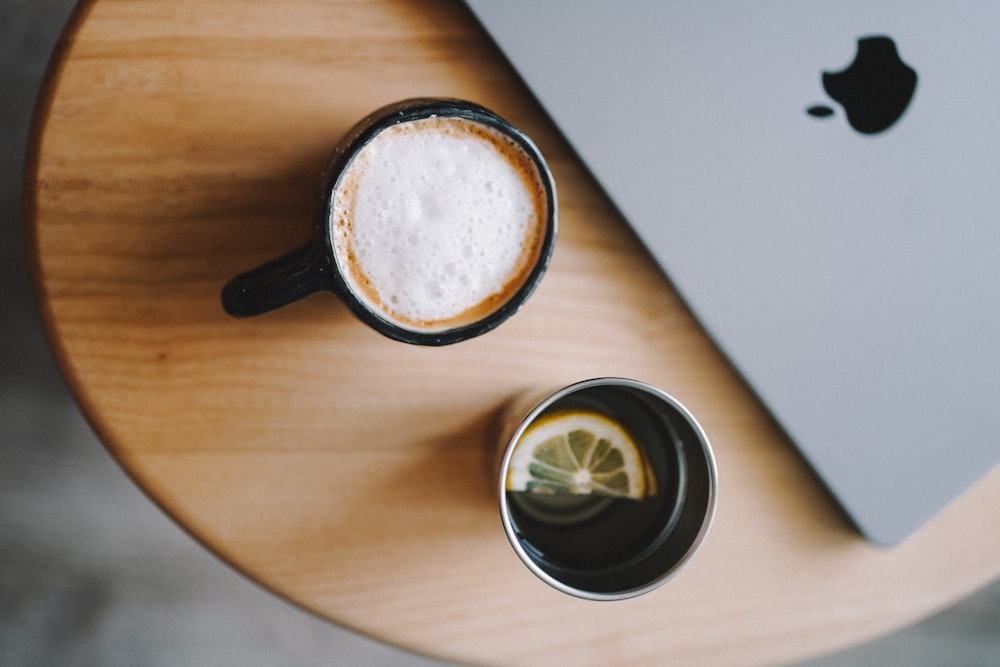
x=608 y=488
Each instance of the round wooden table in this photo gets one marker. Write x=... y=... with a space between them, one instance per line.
x=180 y=142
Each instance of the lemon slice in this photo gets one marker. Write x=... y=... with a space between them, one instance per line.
x=578 y=453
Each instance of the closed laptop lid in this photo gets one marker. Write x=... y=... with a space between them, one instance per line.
x=838 y=238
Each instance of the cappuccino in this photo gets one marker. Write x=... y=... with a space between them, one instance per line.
x=437 y=222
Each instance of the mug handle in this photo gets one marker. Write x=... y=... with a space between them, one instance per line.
x=277 y=283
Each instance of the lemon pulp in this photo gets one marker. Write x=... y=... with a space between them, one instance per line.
x=580 y=453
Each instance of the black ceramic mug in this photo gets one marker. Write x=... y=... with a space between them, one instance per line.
x=436 y=222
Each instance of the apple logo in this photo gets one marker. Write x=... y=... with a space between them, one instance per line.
x=874 y=90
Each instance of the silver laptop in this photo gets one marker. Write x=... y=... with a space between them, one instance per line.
x=821 y=182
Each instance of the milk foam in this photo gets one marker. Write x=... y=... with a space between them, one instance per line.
x=438 y=220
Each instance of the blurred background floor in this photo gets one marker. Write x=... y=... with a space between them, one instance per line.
x=92 y=574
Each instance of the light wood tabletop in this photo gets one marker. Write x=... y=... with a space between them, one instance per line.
x=179 y=142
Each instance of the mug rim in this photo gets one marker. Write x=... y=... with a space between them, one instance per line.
x=696 y=540
x=364 y=132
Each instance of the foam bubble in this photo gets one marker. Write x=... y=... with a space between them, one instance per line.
x=435 y=217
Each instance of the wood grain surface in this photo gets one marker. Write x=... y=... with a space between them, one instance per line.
x=180 y=142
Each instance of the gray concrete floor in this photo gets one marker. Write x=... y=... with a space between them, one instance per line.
x=91 y=574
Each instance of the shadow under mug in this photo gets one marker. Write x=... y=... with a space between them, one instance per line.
x=598 y=547
x=315 y=267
